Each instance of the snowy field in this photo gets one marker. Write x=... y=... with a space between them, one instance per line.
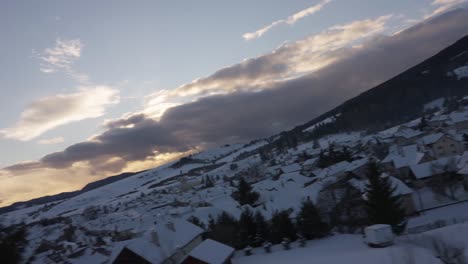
x=338 y=249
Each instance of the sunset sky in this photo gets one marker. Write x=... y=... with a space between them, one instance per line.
x=94 y=88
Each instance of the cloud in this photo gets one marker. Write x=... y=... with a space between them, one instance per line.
x=21 y=185
x=61 y=57
x=443 y=6
x=50 y=112
x=290 y=20
x=288 y=61
x=241 y=115
x=51 y=141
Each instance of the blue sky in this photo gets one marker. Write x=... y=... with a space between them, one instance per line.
x=70 y=67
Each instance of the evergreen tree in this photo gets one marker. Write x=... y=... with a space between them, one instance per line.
x=309 y=223
x=211 y=223
x=225 y=230
x=247 y=228
x=383 y=207
x=209 y=182
x=262 y=228
x=465 y=140
x=282 y=227
x=12 y=244
x=316 y=144
x=196 y=221
x=423 y=123
x=244 y=194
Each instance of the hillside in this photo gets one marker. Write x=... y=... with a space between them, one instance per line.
x=401 y=98
x=262 y=194
x=65 y=195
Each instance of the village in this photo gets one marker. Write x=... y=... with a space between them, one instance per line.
x=162 y=215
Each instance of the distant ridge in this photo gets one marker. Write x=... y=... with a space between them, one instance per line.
x=402 y=98
x=66 y=195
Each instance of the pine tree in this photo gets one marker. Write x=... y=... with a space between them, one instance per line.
x=225 y=230
x=12 y=244
x=209 y=182
x=309 y=223
x=423 y=123
x=383 y=207
x=262 y=228
x=196 y=221
x=244 y=194
x=282 y=227
x=247 y=228
x=465 y=140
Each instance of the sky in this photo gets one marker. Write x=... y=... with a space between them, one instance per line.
x=90 y=89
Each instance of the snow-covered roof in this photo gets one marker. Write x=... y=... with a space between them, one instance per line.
x=457 y=117
x=437 y=118
x=435 y=167
x=437 y=103
x=334 y=169
x=212 y=252
x=431 y=139
x=169 y=240
x=378 y=226
x=407 y=133
x=400 y=187
x=310 y=161
x=357 y=164
x=461 y=72
x=403 y=156
x=295 y=177
x=291 y=168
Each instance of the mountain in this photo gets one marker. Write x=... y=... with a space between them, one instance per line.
x=402 y=98
x=222 y=189
x=66 y=195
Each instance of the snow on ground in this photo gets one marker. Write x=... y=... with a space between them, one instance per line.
x=342 y=138
x=235 y=154
x=437 y=103
x=461 y=72
x=337 y=250
x=451 y=213
x=216 y=153
x=325 y=121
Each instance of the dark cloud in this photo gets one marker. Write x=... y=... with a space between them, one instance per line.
x=243 y=116
x=128 y=143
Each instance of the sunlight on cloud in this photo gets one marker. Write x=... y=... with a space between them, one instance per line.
x=50 y=112
x=47 y=181
x=61 y=56
x=51 y=141
x=290 y=20
x=444 y=6
x=287 y=61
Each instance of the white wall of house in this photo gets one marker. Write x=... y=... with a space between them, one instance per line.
x=446 y=146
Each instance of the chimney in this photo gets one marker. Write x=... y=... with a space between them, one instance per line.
x=170 y=225
x=155 y=238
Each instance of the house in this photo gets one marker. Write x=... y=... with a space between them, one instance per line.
x=406 y=136
x=210 y=252
x=401 y=190
x=336 y=170
x=400 y=159
x=438 y=120
x=421 y=173
x=459 y=120
x=358 y=167
x=310 y=164
x=291 y=168
x=167 y=243
x=442 y=145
